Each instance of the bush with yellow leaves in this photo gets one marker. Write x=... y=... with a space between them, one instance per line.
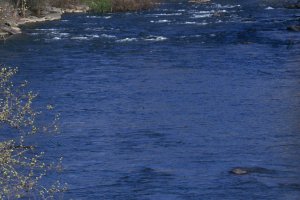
x=23 y=171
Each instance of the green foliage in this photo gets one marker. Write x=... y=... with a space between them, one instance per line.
x=119 y=5
x=99 y=5
x=22 y=169
x=21 y=7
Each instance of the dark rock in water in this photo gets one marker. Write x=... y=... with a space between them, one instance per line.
x=290 y=185
x=293 y=6
x=249 y=170
x=295 y=28
x=239 y=171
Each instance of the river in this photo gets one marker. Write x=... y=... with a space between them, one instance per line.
x=162 y=104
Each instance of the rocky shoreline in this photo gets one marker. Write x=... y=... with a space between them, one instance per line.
x=11 y=26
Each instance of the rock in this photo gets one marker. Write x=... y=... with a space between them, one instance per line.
x=54 y=10
x=293 y=6
x=3 y=34
x=76 y=9
x=33 y=19
x=9 y=30
x=11 y=23
x=239 y=171
x=82 y=8
x=249 y=170
x=295 y=28
x=53 y=16
x=16 y=30
x=43 y=13
x=10 y=26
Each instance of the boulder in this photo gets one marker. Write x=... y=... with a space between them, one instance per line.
x=295 y=28
x=250 y=170
x=293 y=5
x=76 y=9
x=9 y=30
x=54 y=10
x=53 y=16
x=239 y=171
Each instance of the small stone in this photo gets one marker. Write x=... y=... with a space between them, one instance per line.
x=239 y=171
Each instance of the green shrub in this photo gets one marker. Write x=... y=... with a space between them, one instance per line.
x=99 y=5
x=119 y=5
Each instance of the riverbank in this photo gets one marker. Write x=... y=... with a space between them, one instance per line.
x=10 y=19
x=13 y=14
x=11 y=24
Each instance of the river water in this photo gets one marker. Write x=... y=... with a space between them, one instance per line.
x=161 y=104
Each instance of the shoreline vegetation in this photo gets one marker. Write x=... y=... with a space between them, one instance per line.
x=24 y=167
x=14 y=13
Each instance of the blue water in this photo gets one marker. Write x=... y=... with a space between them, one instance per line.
x=161 y=104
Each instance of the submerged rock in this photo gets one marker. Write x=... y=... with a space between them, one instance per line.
x=239 y=171
x=295 y=28
x=293 y=6
x=249 y=170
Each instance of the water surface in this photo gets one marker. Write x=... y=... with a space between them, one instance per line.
x=162 y=104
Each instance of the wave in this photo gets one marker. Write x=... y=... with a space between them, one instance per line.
x=166 y=14
x=196 y=16
x=127 y=40
x=48 y=29
x=195 y=23
x=269 y=8
x=190 y=23
x=107 y=36
x=95 y=29
x=56 y=38
x=190 y=36
x=33 y=34
x=203 y=12
x=79 y=38
x=93 y=36
x=150 y=38
x=227 y=6
x=160 y=21
x=98 y=17
x=63 y=34
x=155 y=38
